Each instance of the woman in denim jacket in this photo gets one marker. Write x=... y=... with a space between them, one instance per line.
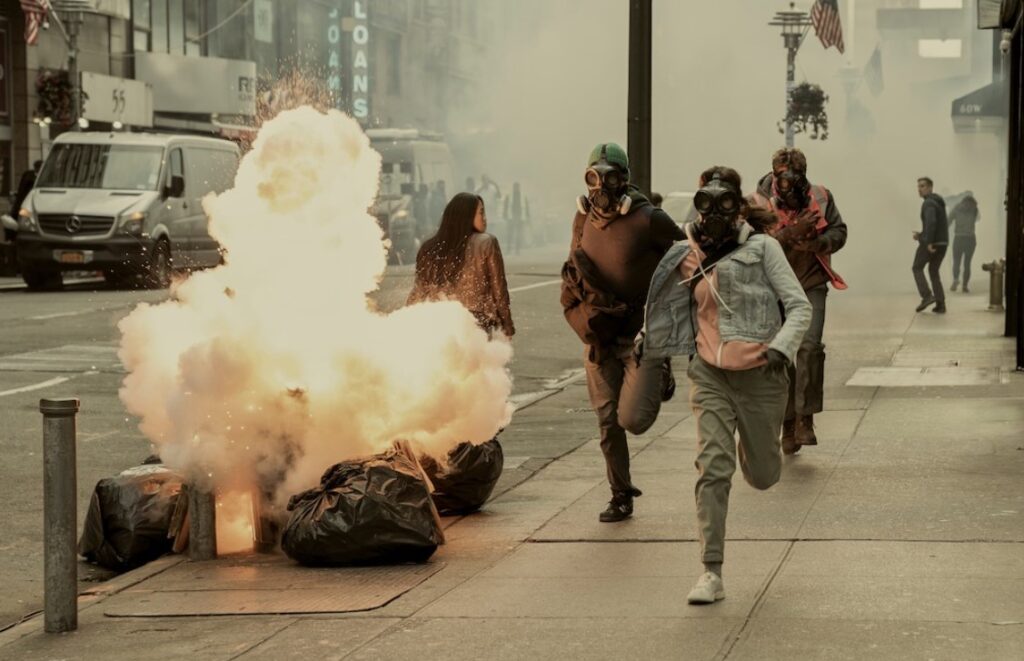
x=715 y=297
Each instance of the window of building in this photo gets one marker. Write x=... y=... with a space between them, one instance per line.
x=940 y=48
x=193 y=28
x=942 y=4
x=140 y=23
x=158 y=27
x=167 y=26
x=176 y=27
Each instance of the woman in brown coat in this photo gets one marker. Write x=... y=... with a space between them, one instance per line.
x=464 y=263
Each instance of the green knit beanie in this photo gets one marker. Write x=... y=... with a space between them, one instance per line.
x=614 y=154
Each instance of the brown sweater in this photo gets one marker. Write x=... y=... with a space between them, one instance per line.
x=481 y=286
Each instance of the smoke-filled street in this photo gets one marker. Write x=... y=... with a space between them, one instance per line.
x=476 y=329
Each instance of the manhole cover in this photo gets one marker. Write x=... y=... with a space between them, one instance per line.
x=265 y=585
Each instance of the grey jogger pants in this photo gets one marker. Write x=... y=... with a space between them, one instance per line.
x=626 y=397
x=807 y=376
x=752 y=402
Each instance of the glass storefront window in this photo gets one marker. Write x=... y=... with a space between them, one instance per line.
x=193 y=28
x=140 y=21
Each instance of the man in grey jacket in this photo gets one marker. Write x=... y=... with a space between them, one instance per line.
x=932 y=240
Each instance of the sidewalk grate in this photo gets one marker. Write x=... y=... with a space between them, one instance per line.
x=266 y=585
x=926 y=377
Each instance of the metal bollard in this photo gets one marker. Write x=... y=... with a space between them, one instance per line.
x=202 y=526
x=60 y=514
x=995 y=284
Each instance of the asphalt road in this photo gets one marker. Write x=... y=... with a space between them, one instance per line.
x=63 y=344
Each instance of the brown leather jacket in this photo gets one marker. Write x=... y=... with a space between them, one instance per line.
x=481 y=286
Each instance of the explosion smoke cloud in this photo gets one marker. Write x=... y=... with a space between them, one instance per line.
x=274 y=366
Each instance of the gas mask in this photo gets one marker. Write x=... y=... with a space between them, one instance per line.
x=606 y=186
x=791 y=189
x=718 y=204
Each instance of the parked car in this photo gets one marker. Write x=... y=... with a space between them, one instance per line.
x=411 y=160
x=126 y=204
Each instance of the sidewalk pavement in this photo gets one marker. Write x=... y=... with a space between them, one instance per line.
x=901 y=536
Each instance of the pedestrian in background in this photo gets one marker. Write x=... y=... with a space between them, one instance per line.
x=618 y=240
x=464 y=263
x=810 y=230
x=715 y=297
x=514 y=218
x=964 y=217
x=932 y=240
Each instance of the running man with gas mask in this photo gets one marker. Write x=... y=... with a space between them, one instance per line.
x=618 y=239
x=715 y=297
x=810 y=230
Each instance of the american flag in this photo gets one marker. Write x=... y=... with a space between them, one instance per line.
x=35 y=15
x=825 y=18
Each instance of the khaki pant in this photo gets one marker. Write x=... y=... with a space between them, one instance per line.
x=626 y=397
x=752 y=402
x=807 y=377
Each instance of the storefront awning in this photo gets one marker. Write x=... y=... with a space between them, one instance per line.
x=983 y=110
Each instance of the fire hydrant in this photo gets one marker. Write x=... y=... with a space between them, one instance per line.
x=995 y=283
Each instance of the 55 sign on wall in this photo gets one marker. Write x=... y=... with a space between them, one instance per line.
x=117 y=100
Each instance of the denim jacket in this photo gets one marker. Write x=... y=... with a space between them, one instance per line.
x=751 y=282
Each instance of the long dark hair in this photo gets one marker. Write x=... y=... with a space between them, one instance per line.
x=760 y=219
x=442 y=256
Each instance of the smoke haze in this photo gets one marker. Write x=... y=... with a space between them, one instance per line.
x=557 y=85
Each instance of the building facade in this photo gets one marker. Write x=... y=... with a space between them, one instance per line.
x=220 y=67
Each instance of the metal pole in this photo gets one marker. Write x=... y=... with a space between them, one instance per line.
x=74 y=23
x=639 y=112
x=792 y=45
x=60 y=513
x=202 y=529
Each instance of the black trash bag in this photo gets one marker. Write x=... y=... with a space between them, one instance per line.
x=373 y=510
x=129 y=517
x=465 y=483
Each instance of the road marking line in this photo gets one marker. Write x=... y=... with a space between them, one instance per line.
x=38 y=386
x=534 y=286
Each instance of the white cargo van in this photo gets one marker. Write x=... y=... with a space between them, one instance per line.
x=409 y=204
x=126 y=204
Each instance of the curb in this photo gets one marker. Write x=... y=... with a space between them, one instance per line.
x=93 y=596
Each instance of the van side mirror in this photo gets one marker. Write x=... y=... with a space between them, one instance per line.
x=176 y=188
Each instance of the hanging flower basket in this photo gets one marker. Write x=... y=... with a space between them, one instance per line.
x=807 y=112
x=53 y=89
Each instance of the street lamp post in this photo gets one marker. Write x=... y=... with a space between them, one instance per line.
x=639 y=102
x=794 y=26
x=71 y=26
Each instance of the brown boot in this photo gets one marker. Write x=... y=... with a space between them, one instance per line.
x=805 y=431
x=789 y=444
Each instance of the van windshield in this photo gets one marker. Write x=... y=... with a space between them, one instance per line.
x=121 y=167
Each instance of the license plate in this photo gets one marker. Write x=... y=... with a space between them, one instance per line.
x=72 y=257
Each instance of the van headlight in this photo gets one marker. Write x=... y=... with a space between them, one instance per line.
x=27 y=222
x=132 y=223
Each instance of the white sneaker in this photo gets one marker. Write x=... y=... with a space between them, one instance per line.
x=708 y=590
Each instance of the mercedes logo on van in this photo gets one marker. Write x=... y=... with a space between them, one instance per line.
x=73 y=225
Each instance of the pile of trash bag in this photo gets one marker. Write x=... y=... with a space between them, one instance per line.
x=373 y=510
x=465 y=482
x=129 y=517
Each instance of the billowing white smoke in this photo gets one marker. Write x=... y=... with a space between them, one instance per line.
x=274 y=366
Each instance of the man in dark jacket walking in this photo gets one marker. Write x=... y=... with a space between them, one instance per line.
x=810 y=230
x=932 y=240
x=619 y=238
x=963 y=218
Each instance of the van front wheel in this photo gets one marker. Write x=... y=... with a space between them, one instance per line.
x=158 y=275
